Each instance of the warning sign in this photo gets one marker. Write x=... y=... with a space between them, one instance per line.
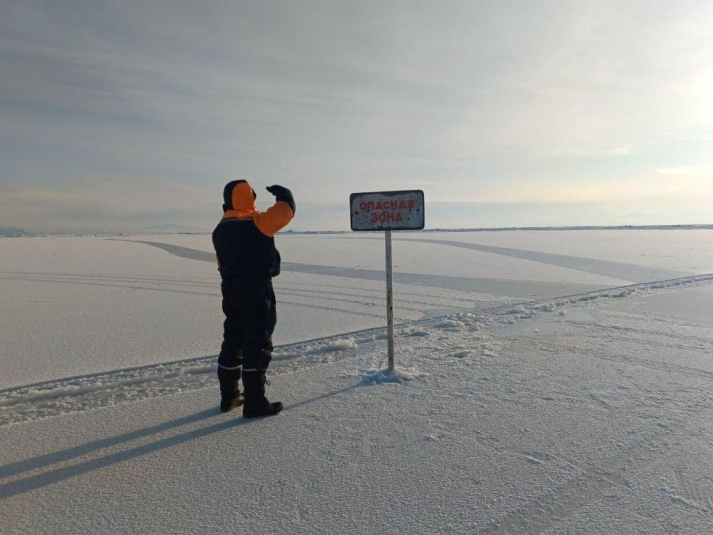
x=387 y=210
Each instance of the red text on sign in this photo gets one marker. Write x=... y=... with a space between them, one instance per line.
x=387 y=217
x=386 y=205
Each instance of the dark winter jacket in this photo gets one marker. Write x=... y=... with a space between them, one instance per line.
x=244 y=238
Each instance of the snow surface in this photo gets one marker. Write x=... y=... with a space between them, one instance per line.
x=546 y=382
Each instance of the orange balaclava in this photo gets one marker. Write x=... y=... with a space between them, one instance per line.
x=239 y=199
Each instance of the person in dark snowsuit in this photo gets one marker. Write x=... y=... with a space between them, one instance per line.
x=248 y=260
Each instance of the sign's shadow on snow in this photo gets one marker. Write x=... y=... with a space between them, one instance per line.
x=21 y=486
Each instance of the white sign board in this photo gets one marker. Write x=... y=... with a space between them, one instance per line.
x=388 y=210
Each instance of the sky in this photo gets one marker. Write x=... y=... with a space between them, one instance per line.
x=121 y=116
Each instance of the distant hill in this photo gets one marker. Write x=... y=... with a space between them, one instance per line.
x=12 y=232
x=166 y=228
x=173 y=228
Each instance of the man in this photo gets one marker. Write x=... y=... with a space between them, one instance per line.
x=247 y=260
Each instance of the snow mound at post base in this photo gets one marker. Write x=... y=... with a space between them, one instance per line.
x=398 y=375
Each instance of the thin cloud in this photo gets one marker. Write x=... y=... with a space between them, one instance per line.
x=485 y=100
x=686 y=170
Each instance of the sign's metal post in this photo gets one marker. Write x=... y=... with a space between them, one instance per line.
x=384 y=211
x=389 y=300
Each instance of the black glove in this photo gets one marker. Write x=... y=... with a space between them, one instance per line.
x=282 y=194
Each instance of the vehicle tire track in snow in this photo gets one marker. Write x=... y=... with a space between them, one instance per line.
x=689 y=371
x=113 y=277
x=617 y=270
x=472 y=284
x=400 y=305
x=52 y=398
x=689 y=493
x=129 y=285
x=162 y=282
x=672 y=338
x=546 y=511
x=163 y=288
x=451 y=296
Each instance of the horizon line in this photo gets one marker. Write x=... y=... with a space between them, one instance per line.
x=20 y=233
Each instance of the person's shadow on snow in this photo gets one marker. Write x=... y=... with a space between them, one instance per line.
x=27 y=484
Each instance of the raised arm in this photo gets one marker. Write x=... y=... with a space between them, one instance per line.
x=277 y=216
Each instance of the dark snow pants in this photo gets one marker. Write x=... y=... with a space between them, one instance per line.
x=250 y=318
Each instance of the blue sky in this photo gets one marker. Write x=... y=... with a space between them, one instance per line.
x=121 y=115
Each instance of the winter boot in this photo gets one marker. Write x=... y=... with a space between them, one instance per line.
x=256 y=404
x=230 y=396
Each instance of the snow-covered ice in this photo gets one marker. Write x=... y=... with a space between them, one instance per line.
x=553 y=382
